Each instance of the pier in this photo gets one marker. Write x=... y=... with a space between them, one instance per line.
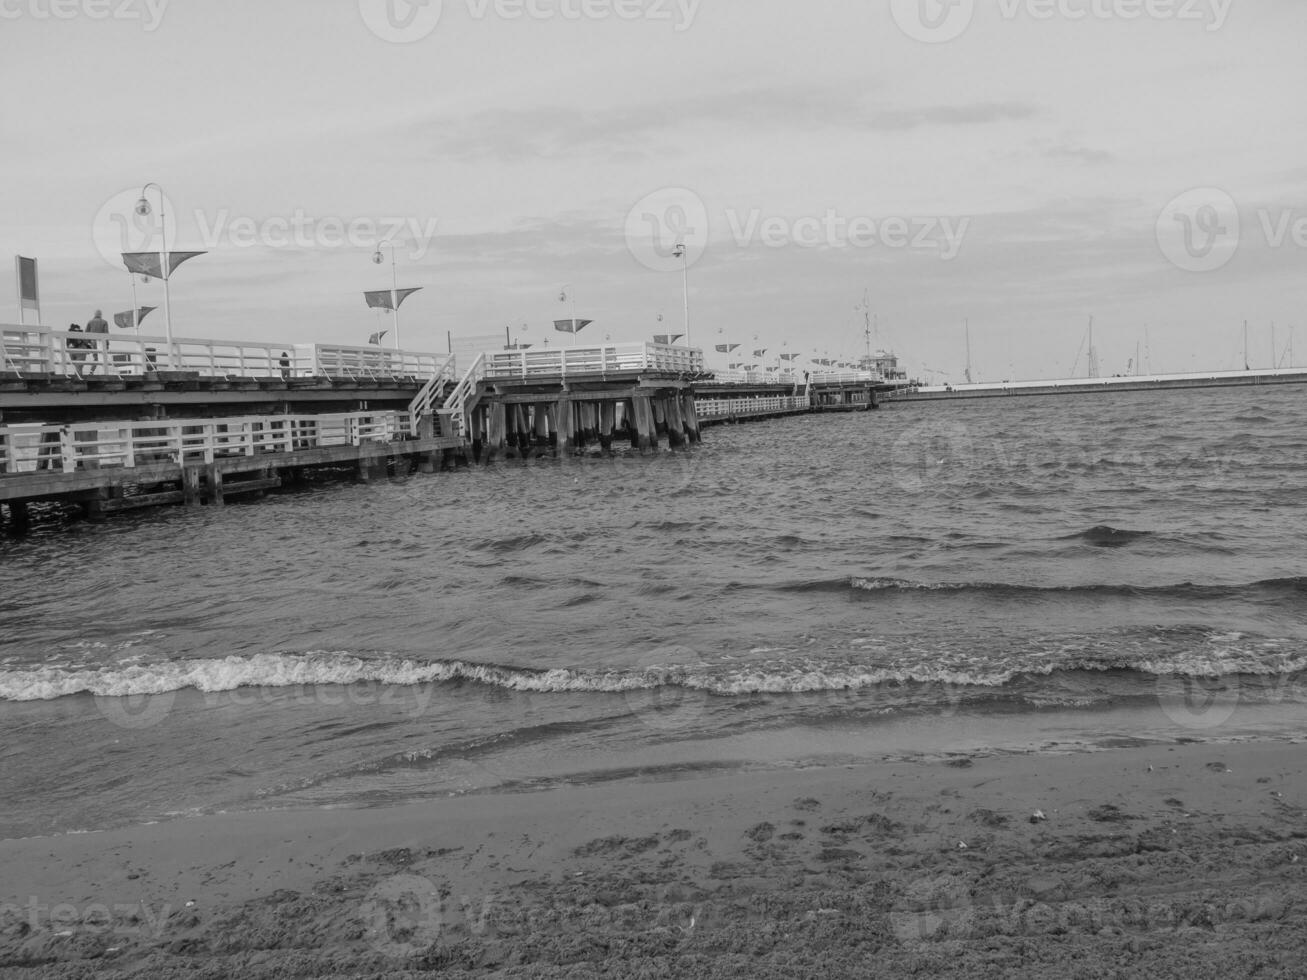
x=1115 y=385
x=141 y=421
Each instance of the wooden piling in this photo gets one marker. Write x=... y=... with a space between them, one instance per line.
x=646 y=426
x=540 y=421
x=659 y=415
x=191 y=486
x=675 y=431
x=20 y=521
x=566 y=426
x=427 y=430
x=213 y=476
x=690 y=416
x=607 y=417
x=630 y=419
x=495 y=423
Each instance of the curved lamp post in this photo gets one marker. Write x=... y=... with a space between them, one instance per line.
x=680 y=252
x=378 y=258
x=143 y=209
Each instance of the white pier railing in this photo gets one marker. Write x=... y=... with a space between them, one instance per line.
x=707 y=408
x=96 y=445
x=606 y=359
x=792 y=377
x=37 y=350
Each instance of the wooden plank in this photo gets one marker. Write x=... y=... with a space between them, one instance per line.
x=250 y=486
x=162 y=498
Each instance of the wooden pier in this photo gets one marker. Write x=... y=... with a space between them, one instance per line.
x=143 y=423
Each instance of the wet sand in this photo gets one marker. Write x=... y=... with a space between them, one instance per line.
x=1167 y=860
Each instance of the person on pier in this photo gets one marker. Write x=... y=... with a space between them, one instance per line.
x=76 y=344
x=97 y=324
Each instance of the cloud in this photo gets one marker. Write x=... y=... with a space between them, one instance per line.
x=549 y=131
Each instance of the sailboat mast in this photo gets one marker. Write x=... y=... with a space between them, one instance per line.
x=1245 y=346
x=966 y=325
x=1093 y=358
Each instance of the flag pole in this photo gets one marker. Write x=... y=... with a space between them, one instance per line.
x=143 y=208
x=136 y=319
x=394 y=296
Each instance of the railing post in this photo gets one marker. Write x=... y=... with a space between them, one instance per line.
x=67 y=450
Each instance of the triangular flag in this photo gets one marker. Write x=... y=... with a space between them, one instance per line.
x=760 y=353
x=726 y=348
x=382 y=299
x=147 y=263
x=575 y=325
x=124 y=320
x=667 y=338
x=376 y=337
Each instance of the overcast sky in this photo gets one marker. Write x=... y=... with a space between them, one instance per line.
x=1022 y=163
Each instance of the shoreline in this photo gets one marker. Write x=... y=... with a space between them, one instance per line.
x=1149 y=857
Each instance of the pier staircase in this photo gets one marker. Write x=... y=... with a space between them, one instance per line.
x=424 y=402
x=462 y=399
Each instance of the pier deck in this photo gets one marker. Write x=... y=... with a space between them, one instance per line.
x=137 y=421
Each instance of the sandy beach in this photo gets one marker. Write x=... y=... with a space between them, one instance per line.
x=1159 y=860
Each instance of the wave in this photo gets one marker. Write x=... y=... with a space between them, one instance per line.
x=1292 y=587
x=1217 y=656
x=1103 y=536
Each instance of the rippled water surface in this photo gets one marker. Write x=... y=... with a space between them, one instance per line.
x=775 y=597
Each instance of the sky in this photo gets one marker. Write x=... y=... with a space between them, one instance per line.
x=1003 y=169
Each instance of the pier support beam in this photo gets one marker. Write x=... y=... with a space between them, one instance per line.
x=495 y=434
x=213 y=476
x=691 y=416
x=607 y=416
x=646 y=430
x=20 y=521
x=191 y=486
x=565 y=416
x=427 y=430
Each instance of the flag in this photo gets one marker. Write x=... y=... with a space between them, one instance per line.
x=381 y=298
x=147 y=263
x=726 y=348
x=124 y=320
x=575 y=325
x=376 y=337
x=517 y=347
x=760 y=353
x=789 y=357
x=29 y=292
x=667 y=338
x=751 y=367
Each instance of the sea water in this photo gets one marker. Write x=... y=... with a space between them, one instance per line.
x=1002 y=574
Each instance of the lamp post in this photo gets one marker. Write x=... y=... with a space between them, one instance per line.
x=680 y=252
x=143 y=209
x=394 y=282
